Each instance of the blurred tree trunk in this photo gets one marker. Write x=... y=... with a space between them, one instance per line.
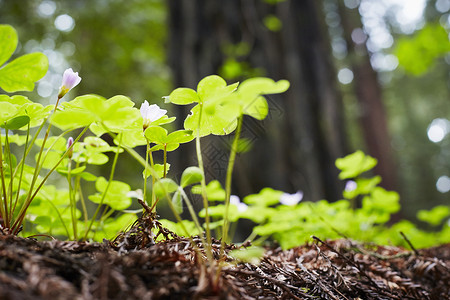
x=296 y=146
x=368 y=92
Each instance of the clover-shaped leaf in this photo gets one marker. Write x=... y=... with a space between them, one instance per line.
x=9 y=40
x=180 y=136
x=159 y=170
x=25 y=108
x=164 y=141
x=129 y=138
x=74 y=171
x=163 y=186
x=183 y=96
x=221 y=122
x=156 y=134
x=218 y=119
x=116 y=114
x=16 y=122
x=363 y=186
x=7 y=112
x=435 y=216
x=249 y=95
x=190 y=176
x=355 y=164
x=214 y=191
x=21 y=73
x=266 y=197
x=213 y=87
x=116 y=195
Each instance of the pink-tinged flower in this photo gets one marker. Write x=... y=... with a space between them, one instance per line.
x=151 y=113
x=234 y=200
x=291 y=199
x=69 y=81
x=68 y=147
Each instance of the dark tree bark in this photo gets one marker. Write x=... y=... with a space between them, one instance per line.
x=296 y=146
x=368 y=92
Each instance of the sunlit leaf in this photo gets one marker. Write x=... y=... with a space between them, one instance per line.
x=16 y=122
x=266 y=197
x=116 y=195
x=159 y=170
x=180 y=136
x=214 y=191
x=222 y=122
x=156 y=134
x=75 y=171
x=8 y=40
x=190 y=176
x=435 y=216
x=21 y=73
x=163 y=186
x=183 y=96
x=355 y=164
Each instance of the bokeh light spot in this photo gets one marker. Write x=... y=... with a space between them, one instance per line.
x=443 y=184
x=345 y=76
x=437 y=130
x=64 y=23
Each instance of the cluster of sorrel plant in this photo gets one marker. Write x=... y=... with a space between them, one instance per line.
x=363 y=214
x=27 y=197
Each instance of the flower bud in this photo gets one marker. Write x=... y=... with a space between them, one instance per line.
x=69 y=81
x=68 y=147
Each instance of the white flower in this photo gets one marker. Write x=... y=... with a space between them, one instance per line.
x=136 y=194
x=350 y=186
x=151 y=113
x=291 y=199
x=234 y=200
x=69 y=81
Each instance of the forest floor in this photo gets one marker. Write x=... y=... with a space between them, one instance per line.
x=133 y=266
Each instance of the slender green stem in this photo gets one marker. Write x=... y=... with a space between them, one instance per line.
x=145 y=172
x=21 y=171
x=30 y=145
x=73 y=204
x=165 y=161
x=251 y=237
x=197 y=223
x=22 y=212
x=37 y=169
x=152 y=164
x=111 y=176
x=83 y=202
x=4 y=205
x=231 y=161
x=11 y=179
x=48 y=151
x=106 y=213
x=203 y=181
x=191 y=212
x=59 y=216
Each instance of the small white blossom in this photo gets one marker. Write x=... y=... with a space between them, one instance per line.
x=151 y=113
x=291 y=199
x=136 y=194
x=350 y=186
x=69 y=81
x=234 y=200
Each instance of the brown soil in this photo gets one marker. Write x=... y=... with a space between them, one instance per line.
x=135 y=267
